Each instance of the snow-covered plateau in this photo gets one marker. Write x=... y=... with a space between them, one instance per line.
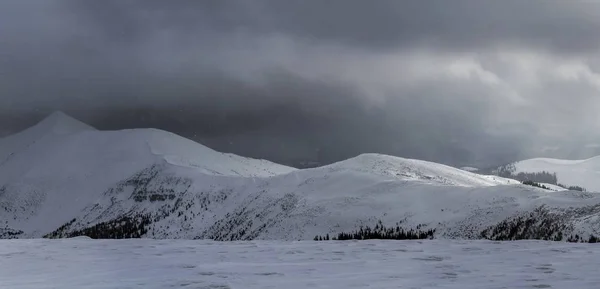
x=145 y=263
x=63 y=178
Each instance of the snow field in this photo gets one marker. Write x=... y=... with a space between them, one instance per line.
x=94 y=264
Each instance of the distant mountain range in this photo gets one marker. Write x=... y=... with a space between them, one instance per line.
x=63 y=178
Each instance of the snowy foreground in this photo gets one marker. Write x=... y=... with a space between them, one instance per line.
x=84 y=263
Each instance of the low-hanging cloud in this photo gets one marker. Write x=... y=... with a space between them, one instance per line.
x=460 y=82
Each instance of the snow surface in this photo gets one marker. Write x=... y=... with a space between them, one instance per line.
x=469 y=169
x=80 y=263
x=553 y=187
x=411 y=169
x=584 y=173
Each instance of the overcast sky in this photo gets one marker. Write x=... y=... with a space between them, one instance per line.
x=460 y=82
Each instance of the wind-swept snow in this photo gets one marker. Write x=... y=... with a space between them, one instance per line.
x=107 y=264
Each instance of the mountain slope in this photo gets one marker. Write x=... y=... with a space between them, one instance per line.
x=585 y=173
x=55 y=168
x=416 y=169
x=305 y=203
x=57 y=123
x=73 y=180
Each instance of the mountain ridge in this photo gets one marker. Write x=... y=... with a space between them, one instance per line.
x=155 y=184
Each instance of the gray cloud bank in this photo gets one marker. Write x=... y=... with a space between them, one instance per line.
x=459 y=82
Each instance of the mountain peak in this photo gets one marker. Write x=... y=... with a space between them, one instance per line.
x=61 y=123
x=57 y=123
x=57 y=114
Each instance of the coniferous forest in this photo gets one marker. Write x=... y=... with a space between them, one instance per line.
x=121 y=228
x=381 y=232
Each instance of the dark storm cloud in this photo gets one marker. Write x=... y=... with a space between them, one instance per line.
x=463 y=24
x=460 y=82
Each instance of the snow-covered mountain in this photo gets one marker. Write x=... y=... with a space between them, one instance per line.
x=584 y=173
x=50 y=171
x=63 y=178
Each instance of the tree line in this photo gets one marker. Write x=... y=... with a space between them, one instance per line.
x=381 y=232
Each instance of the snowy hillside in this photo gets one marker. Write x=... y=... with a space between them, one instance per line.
x=52 y=170
x=64 y=180
x=409 y=169
x=584 y=173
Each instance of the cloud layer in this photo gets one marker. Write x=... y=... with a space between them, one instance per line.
x=460 y=82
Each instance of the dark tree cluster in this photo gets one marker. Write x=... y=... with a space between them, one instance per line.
x=538 y=225
x=540 y=177
x=125 y=227
x=508 y=171
x=576 y=188
x=572 y=188
x=381 y=232
x=321 y=238
x=580 y=239
x=61 y=231
x=534 y=184
x=7 y=233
